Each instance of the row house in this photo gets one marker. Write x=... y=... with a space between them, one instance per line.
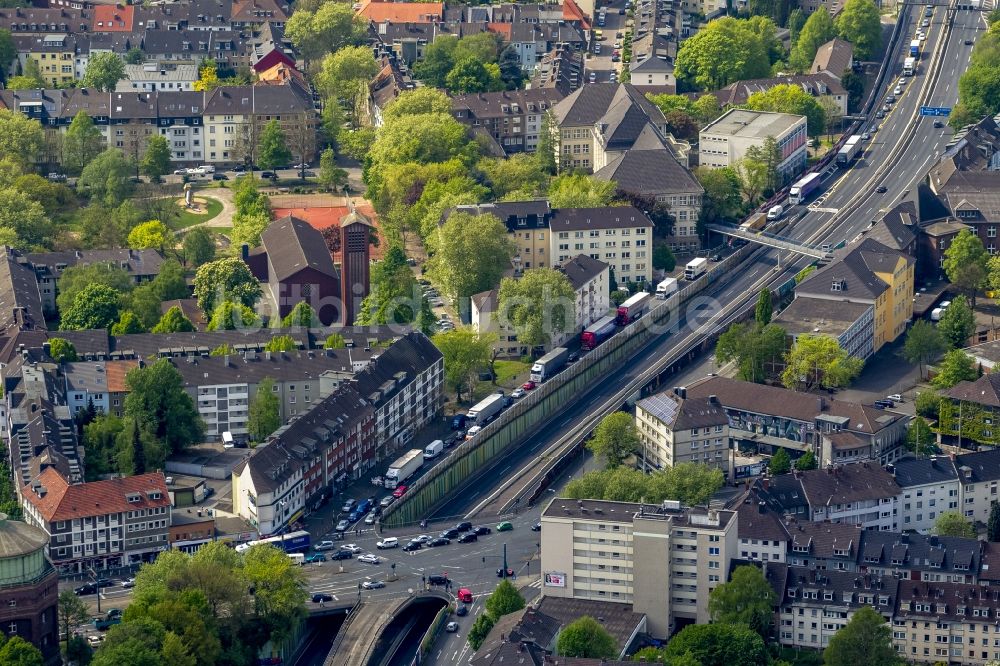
x=98 y=383
x=513 y=118
x=99 y=525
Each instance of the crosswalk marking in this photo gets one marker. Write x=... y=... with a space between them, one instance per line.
x=536 y=584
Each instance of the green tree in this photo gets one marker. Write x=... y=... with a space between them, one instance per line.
x=24 y=82
x=504 y=600
x=334 y=341
x=919 y=437
x=764 y=308
x=82 y=142
x=663 y=258
x=173 y=321
x=330 y=28
x=100 y=439
x=230 y=316
x=746 y=599
x=226 y=279
x=752 y=347
x=158 y=402
x=951 y=523
x=473 y=253
x=817 y=30
x=806 y=461
x=538 y=305
x=955 y=367
x=25 y=218
x=107 y=177
x=393 y=289
x=417 y=102
x=958 y=323
x=21 y=138
x=545 y=151
x=281 y=343
x=96 y=306
x=104 y=71
x=924 y=343
x=263 y=417
x=927 y=404
x=134 y=56
x=520 y=175
x=689 y=483
x=15 y=651
x=615 y=438
x=789 y=98
x=198 y=247
x=764 y=159
x=859 y=23
x=470 y=75
x=75 y=278
x=72 y=611
x=345 y=75
x=966 y=263
x=273 y=149
x=437 y=62
x=724 y=51
x=865 y=639
x=302 y=315
x=584 y=637
x=819 y=361
x=127 y=323
x=466 y=353
x=854 y=84
x=480 y=630
x=156 y=162
x=578 y=190
x=152 y=235
x=225 y=349
x=62 y=350
x=780 y=463
x=723 y=201
x=511 y=73
x=993 y=524
x=719 y=645
x=331 y=177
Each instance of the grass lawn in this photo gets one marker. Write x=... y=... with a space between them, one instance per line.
x=182 y=219
x=510 y=375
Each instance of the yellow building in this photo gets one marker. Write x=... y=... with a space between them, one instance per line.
x=53 y=54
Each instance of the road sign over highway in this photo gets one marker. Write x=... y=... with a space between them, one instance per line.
x=935 y=111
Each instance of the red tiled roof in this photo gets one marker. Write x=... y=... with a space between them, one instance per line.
x=572 y=12
x=113 y=18
x=97 y=498
x=324 y=217
x=116 y=371
x=402 y=12
x=503 y=29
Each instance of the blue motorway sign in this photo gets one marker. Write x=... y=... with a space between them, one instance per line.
x=935 y=111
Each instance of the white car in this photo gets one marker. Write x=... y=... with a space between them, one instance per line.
x=353 y=548
x=386 y=501
x=369 y=558
x=423 y=538
x=898 y=91
x=371 y=518
x=388 y=542
x=325 y=545
x=518 y=393
x=372 y=584
x=128 y=582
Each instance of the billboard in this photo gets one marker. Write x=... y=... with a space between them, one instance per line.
x=555 y=579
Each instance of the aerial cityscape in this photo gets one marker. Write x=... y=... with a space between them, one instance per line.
x=573 y=333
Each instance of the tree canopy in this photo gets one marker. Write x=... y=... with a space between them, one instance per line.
x=104 y=70
x=724 y=51
x=264 y=413
x=923 y=344
x=466 y=353
x=157 y=401
x=538 y=306
x=689 y=483
x=957 y=323
x=473 y=253
x=859 y=23
x=615 y=438
x=819 y=361
x=95 y=306
x=746 y=599
x=752 y=347
x=966 y=263
x=578 y=190
x=790 y=98
x=866 y=639
x=585 y=637
x=719 y=645
x=952 y=523
x=226 y=279
x=955 y=367
x=173 y=321
x=818 y=30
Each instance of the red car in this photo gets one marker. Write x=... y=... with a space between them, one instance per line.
x=399 y=491
x=529 y=385
x=465 y=595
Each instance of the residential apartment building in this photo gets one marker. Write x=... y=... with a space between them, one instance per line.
x=151 y=76
x=527 y=225
x=675 y=429
x=100 y=383
x=873 y=275
x=724 y=142
x=664 y=560
x=820 y=85
x=54 y=54
x=950 y=623
x=930 y=487
x=512 y=118
x=969 y=411
x=100 y=524
x=620 y=236
x=141 y=265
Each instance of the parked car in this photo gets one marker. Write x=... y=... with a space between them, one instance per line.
x=373 y=584
x=386 y=501
x=371 y=518
x=895 y=397
x=504 y=527
x=325 y=545
x=56 y=177
x=315 y=558
x=269 y=175
x=321 y=596
x=342 y=555
x=435 y=579
x=537 y=527
x=219 y=176
x=387 y=542
x=422 y=538
x=412 y=546
x=128 y=582
x=464 y=526
x=468 y=537
x=449 y=534
x=369 y=558
x=348 y=506
x=439 y=541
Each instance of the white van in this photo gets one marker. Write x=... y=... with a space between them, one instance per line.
x=775 y=212
x=434 y=449
x=388 y=542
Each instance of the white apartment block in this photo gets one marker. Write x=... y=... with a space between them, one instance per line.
x=725 y=141
x=620 y=236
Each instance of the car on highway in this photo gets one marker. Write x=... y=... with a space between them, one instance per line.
x=592 y=77
x=319 y=597
x=880 y=114
x=529 y=385
x=342 y=555
x=537 y=527
x=898 y=90
x=881 y=189
x=866 y=136
x=342 y=526
x=386 y=501
x=451 y=627
x=968 y=42
x=885 y=108
x=438 y=541
x=449 y=534
x=412 y=546
x=399 y=491
x=325 y=545
x=387 y=542
x=938 y=124
x=458 y=421
x=481 y=530
x=925 y=23
x=373 y=584
x=518 y=393
x=353 y=548
x=436 y=579
x=370 y=558
x=462 y=610
x=921 y=35
x=130 y=582
x=504 y=527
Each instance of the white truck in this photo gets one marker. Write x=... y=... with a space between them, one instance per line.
x=297 y=558
x=695 y=268
x=433 y=450
x=487 y=408
x=549 y=364
x=404 y=467
x=666 y=288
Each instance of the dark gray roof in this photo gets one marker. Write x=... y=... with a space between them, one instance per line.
x=589 y=104
x=292 y=245
x=979 y=466
x=611 y=217
x=685 y=413
x=650 y=172
x=845 y=484
x=782 y=493
x=825 y=540
x=492 y=104
x=983 y=391
x=920 y=552
x=947 y=602
x=138 y=263
x=853 y=270
x=920 y=471
x=534 y=214
x=756 y=521
x=581 y=269
x=842 y=589
x=411 y=354
x=279 y=366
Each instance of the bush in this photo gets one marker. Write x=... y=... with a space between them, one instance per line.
x=928 y=405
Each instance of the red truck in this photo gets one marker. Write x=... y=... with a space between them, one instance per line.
x=598 y=332
x=633 y=308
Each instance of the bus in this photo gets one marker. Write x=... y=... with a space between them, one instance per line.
x=915 y=48
x=290 y=543
x=909 y=66
x=849 y=151
x=801 y=190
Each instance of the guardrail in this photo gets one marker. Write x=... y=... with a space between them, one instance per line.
x=468 y=460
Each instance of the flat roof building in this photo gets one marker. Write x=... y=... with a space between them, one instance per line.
x=725 y=141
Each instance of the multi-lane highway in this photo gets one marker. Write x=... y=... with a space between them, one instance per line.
x=896 y=157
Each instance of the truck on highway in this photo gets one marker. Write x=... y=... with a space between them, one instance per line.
x=695 y=268
x=549 y=365
x=909 y=66
x=666 y=288
x=598 y=332
x=755 y=222
x=915 y=48
x=404 y=467
x=487 y=408
x=849 y=151
x=802 y=188
x=633 y=308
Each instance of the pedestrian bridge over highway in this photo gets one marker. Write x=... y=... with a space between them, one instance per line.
x=361 y=632
x=771 y=240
